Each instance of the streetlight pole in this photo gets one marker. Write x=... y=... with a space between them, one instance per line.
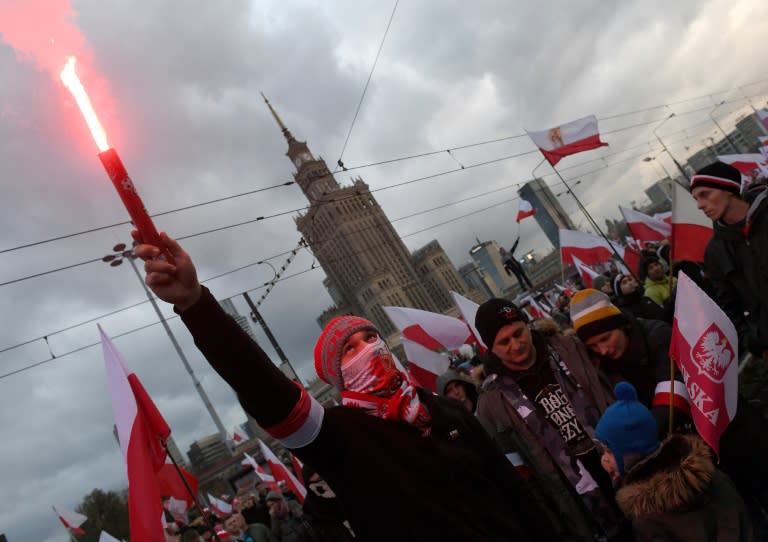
x=115 y=260
x=663 y=146
x=285 y=364
x=728 y=139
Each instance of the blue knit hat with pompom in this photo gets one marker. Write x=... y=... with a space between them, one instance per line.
x=627 y=426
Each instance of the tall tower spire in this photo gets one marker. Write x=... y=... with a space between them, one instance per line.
x=288 y=136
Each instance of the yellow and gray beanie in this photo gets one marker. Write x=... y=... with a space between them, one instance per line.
x=593 y=313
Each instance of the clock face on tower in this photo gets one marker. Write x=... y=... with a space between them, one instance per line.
x=302 y=158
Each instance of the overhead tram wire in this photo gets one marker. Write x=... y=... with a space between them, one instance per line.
x=304 y=208
x=360 y=230
x=395 y=160
x=312 y=268
x=339 y=163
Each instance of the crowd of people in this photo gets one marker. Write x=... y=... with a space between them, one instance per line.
x=559 y=431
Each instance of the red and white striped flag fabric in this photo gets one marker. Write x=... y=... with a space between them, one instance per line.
x=576 y=136
x=750 y=165
x=590 y=249
x=237 y=436
x=645 y=228
x=524 y=210
x=219 y=507
x=171 y=484
x=427 y=336
x=664 y=217
x=763 y=147
x=268 y=479
x=705 y=347
x=297 y=467
x=71 y=520
x=425 y=365
x=587 y=273
x=468 y=310
x=536 y=309
x=281 y=473
x=141 y=431
x=104 y=536
x=178 y=509
x=631 y=258
x=691 y=229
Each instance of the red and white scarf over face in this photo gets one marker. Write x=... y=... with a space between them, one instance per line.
x=373 y=382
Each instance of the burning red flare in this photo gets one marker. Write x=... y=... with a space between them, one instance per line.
x=112 y=163
x=72 y=82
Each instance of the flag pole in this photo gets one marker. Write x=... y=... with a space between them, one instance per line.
x=195 y=498
x=592 y=220
x=69 y=531
x=671 y=392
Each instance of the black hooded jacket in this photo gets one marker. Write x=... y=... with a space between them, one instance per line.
x=736 y=260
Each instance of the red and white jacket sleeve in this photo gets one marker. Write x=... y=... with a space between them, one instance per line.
x=282 y=407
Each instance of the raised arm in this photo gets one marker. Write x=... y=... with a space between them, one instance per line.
x=280 y=406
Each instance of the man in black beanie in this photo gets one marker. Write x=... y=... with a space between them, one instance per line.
x=541 y=402
x=736 y=258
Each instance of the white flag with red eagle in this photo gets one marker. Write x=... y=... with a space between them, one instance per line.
x=524 y=210
x=71 y=520
x=705 y=347
x=428 y=338
x=573 y=137
x=281 y=472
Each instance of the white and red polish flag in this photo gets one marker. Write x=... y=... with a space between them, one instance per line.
x=537 y=309
x=590 y=249
x=268 y=479
x=219 y=507
x=587 y=273
x=748 y=164
x=141 y=431
x=763 y=146
x=705 y=347
x=71 y=520
x=425 y=365
x=631 y=258
x=297 y=468
x=571 y=138
x=178 y=509
x=524 y=210
x=664 y=217
x=281 y=472
x=468 y=310
x=237 y=436
x=645 y=228
x=427 y=337
x=691 y=229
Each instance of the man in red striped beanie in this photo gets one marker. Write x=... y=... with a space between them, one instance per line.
x=405 y=463
x=736 y=258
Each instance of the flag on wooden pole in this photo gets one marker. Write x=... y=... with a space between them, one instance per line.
x=705 y=347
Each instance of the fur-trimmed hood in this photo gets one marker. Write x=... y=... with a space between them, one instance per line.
x=673 y=478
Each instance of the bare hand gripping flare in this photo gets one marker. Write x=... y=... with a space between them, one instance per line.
x=112 y=163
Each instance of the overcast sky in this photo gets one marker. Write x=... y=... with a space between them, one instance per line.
x=177 y=84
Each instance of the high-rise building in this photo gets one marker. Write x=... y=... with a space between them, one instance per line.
x=487 y=254
x=208 y=451
x=242 y=321
x=476 y=278
x=438 y=274
x=366 y=263
x=751 y=128
x=550 y=215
